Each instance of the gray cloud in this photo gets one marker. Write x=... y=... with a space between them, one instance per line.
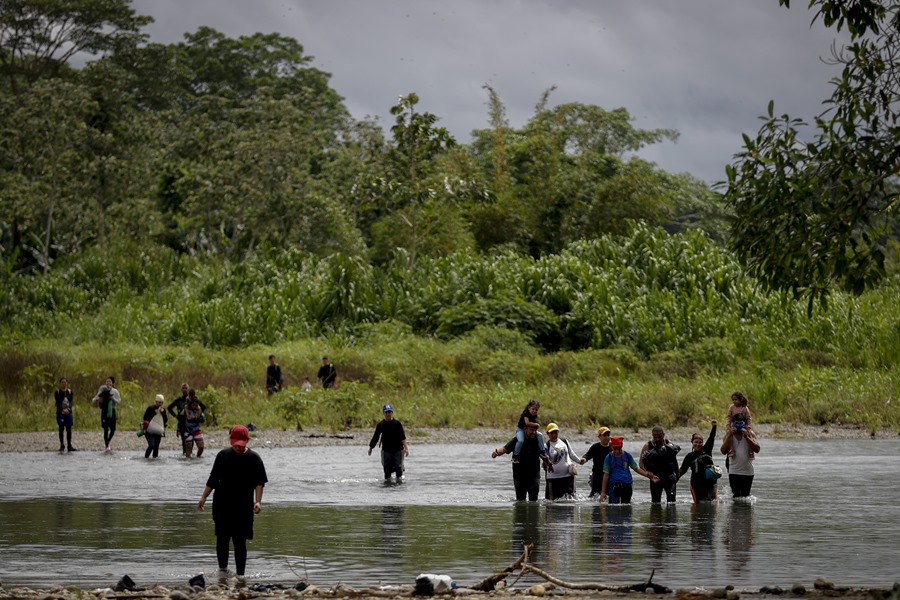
x=707 y=68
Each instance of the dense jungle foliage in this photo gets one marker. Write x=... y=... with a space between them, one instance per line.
x=172 y=212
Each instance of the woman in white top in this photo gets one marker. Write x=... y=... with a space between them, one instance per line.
x=741 y=447
x=561 y=480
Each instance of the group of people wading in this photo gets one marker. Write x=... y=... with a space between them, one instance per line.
x=612 y=480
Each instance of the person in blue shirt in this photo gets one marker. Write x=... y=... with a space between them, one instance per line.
x=617 y=479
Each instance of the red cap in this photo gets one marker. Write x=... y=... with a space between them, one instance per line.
x=617 y=441
x=240 y=435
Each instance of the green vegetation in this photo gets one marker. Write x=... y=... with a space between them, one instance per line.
x=177 y=212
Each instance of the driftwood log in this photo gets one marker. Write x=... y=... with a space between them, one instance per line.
x=524 y=566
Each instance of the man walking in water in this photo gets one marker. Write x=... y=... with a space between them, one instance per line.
x=394 y=446
x=527 y=470
x=238 y=477
x=659 y=456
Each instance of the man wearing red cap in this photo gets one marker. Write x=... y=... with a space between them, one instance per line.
x=238 y=476
x=617 y=479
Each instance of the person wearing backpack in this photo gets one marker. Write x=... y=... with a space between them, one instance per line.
x=561 y=480
x=659 y=456
x=617 y=478
x=704 y=472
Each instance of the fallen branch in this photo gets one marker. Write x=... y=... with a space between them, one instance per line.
x=522 y=563
x=489 y=583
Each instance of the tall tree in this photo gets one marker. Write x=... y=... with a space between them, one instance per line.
x=38 y=37
x=812 y=210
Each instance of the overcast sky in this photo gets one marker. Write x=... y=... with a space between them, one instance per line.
x=706 y=68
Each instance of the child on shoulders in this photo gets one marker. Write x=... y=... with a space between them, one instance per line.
x=528 y=416
x=738 y=407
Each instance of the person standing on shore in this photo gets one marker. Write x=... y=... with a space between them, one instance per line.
x=394 y=446
x=238 y=477
x=704 y=487
x=108 y=399
x=327 y=375
x=598 y=452
x=65 y=400
x=274 y=377
x=155 y=420
x=740 y=446
x=527 y=467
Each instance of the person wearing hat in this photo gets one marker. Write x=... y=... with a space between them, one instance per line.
x=238 y=476
x=597 y=452
x=660 y=457
x=527 y=469
x=617 y=480
x=704 y=486
x=394 y=446
x=560 y=480
x=155 y=421
x=740 y=446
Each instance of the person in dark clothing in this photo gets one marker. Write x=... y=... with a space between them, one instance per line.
x=274 y=378
x=238 y=477
x=703 y=488
x=177 y=408
x=394 y=446
x=108 y=399
x=65 y=401
x=327 y=374
x=597 y=452
x=152 y=433
x=659 y=456
x=527 y=468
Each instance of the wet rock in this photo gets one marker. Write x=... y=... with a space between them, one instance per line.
x=733 y=595
x=822 y=583
x=718 y=593
x=774 y=590
x=798 y=588
x=177 y=595
x=536 y=590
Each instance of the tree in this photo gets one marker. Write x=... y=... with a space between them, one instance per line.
x=38 y=37
x=811 y=215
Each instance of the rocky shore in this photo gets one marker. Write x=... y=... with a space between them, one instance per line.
x=48 y=441
x=821 y=588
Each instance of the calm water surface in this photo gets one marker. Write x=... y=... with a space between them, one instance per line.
x=819 y=508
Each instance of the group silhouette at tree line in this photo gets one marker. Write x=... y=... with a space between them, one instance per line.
x=610 y=480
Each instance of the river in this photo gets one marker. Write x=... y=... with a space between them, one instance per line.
x=818 y=509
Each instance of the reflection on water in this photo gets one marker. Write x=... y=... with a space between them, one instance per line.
x=89 y=519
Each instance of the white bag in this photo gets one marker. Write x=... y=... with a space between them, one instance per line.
x=157 y=426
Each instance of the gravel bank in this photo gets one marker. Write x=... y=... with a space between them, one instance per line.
x=47 y=441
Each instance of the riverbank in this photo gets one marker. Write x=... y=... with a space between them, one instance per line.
x=125 y=439
x=274 y=591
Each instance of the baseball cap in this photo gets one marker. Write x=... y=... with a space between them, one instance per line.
x=602 y=430
x=552 y=427
x=617 y=441
x=387 y=408
x=240 y=435
x=160 y=398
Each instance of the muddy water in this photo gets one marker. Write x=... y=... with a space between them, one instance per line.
x=818 y=508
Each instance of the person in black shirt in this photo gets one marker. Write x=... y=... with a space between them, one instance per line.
x=597 y=452
x=327 y=374
x=659 y=456
x=527 y=469
x=238 y=477
x=394 y=446
x=274 y=378
x=64 y=400
x=177 y=407
x=703 y=488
